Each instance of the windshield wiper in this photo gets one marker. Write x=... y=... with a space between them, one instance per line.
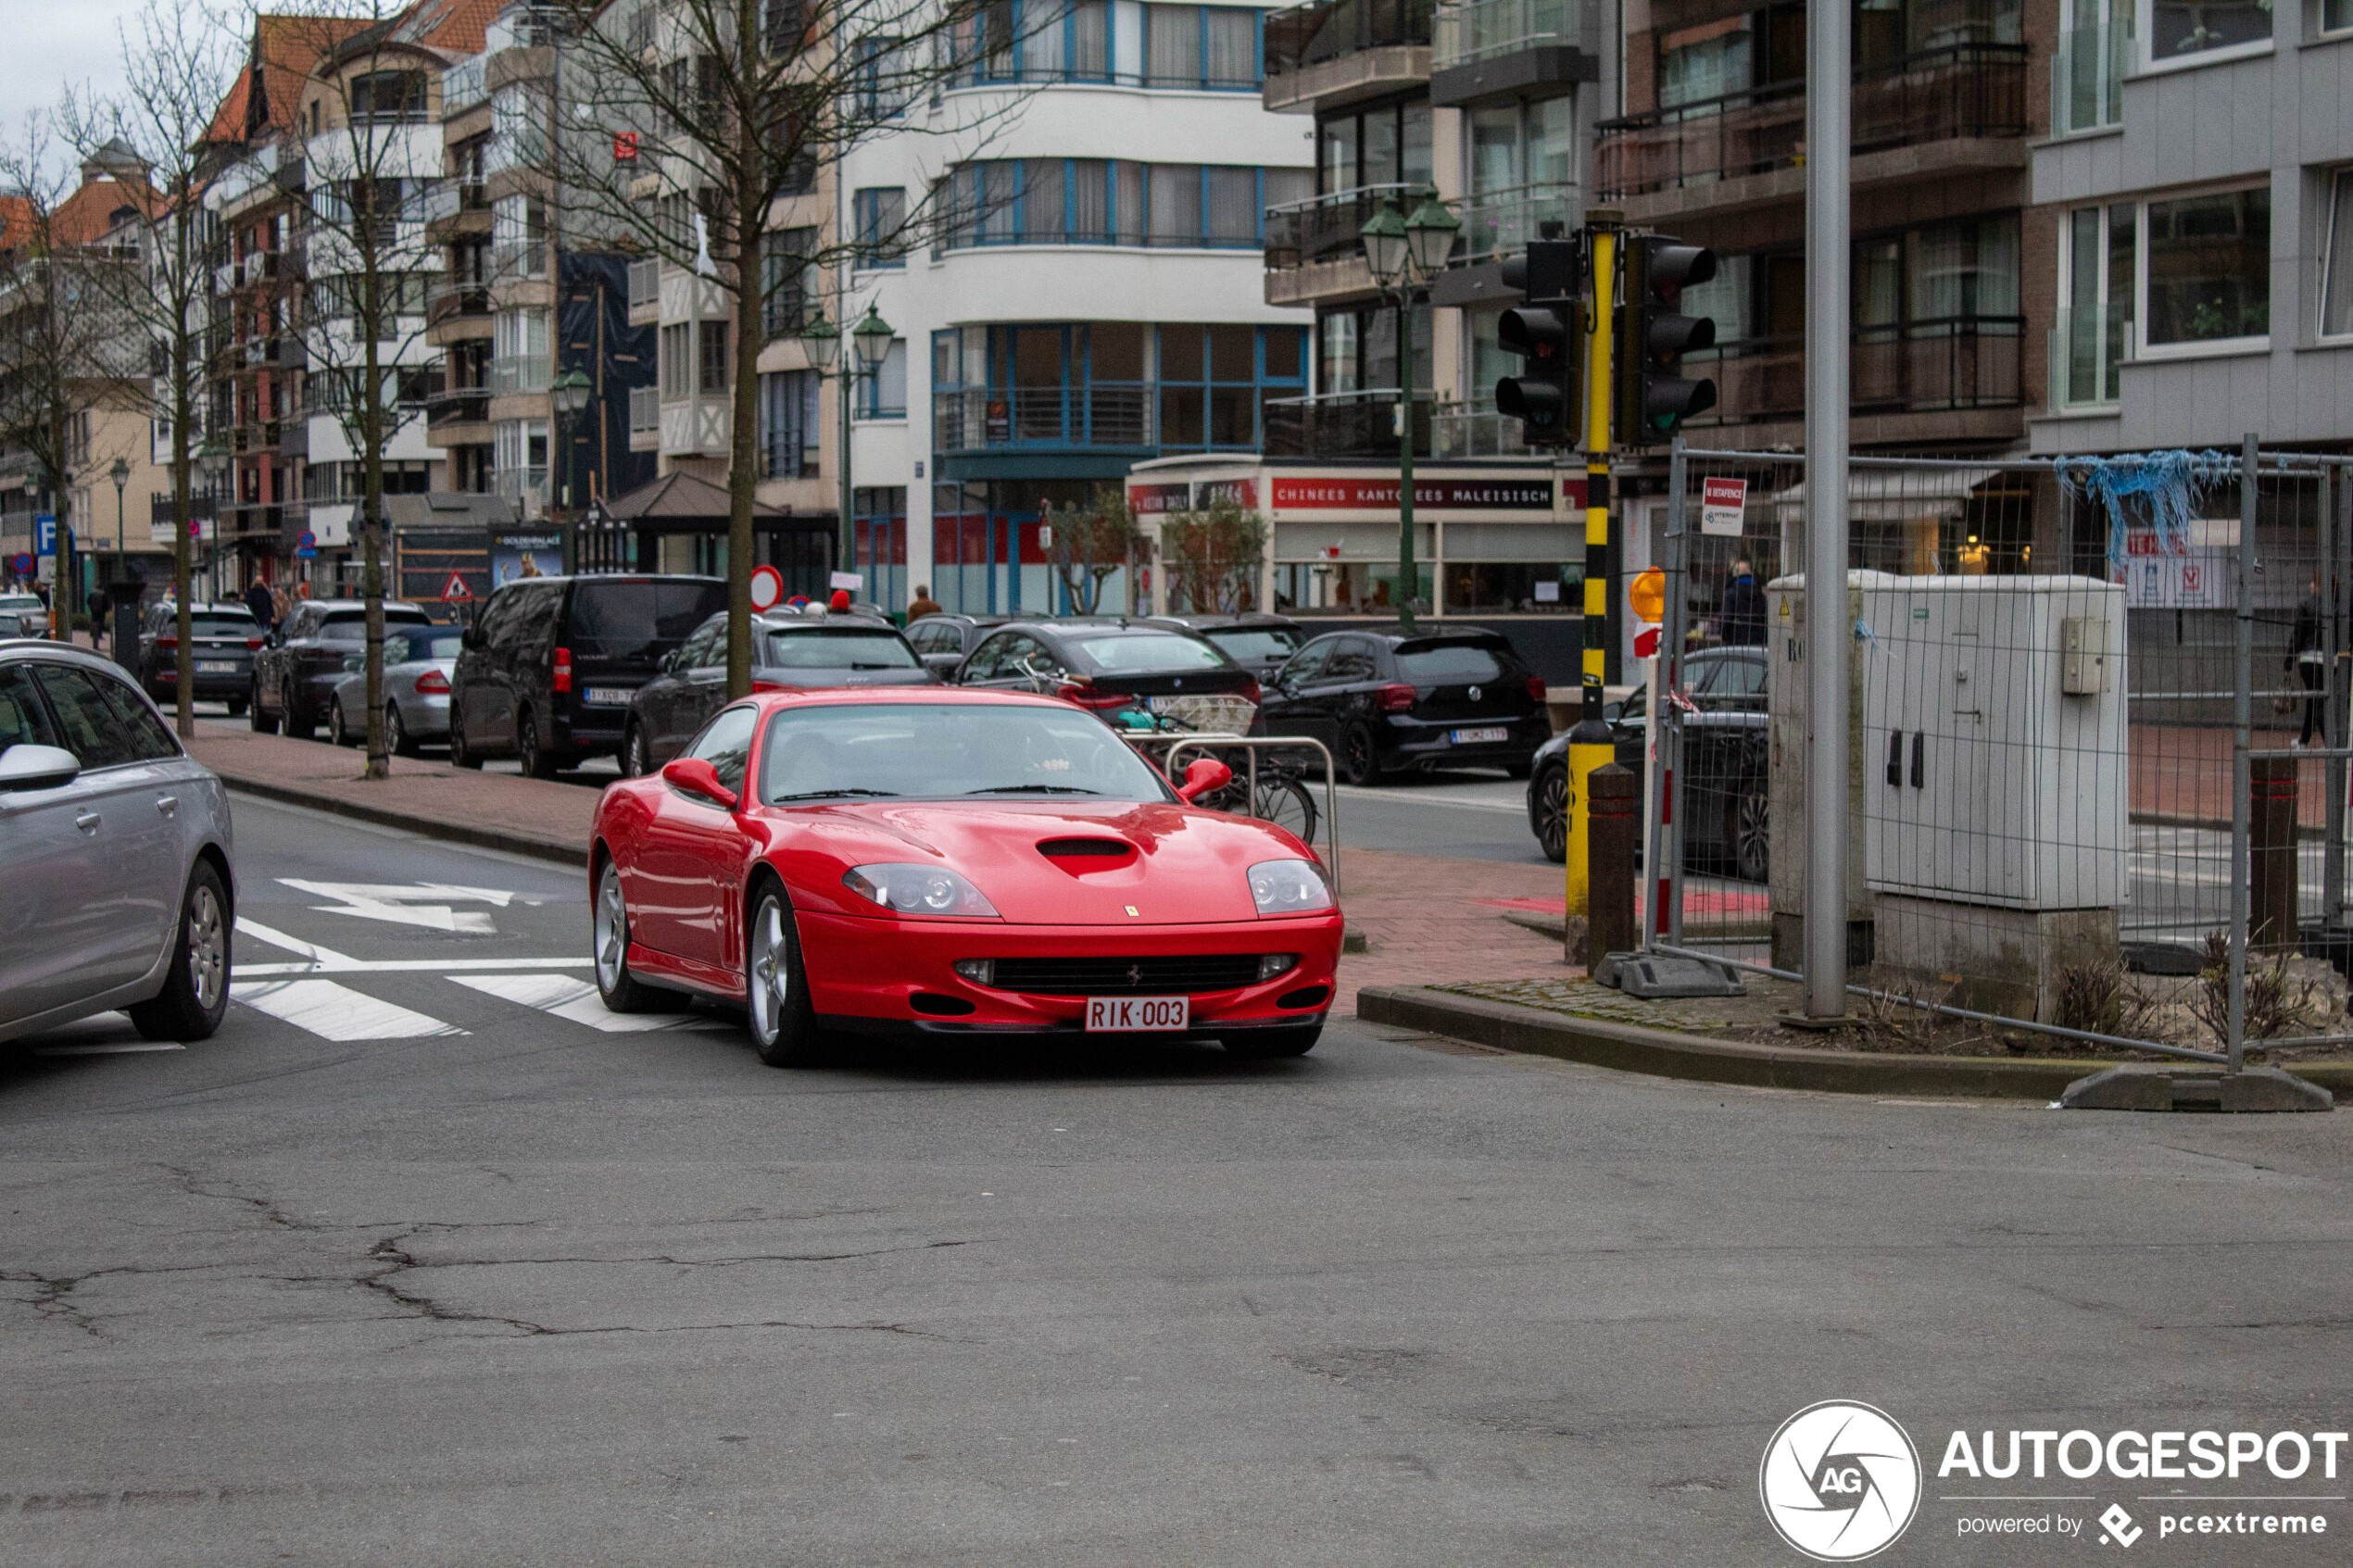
x=1033 y=789
x=822 y=794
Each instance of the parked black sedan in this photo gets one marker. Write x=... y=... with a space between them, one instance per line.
x=1385 y=702
x=788 y=650
x=942 y=641
x=1108 y=661
x=225 y=636
x=1261 y=644
x=1725 y=822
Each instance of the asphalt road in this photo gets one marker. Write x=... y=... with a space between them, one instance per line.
x=500 y=1286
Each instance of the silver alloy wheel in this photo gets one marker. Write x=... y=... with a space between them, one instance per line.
x=207 y=948
x=613 y=930
x=770 y=977
x=394 y=740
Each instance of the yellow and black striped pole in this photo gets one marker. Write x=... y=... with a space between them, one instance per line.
x=1589 y=743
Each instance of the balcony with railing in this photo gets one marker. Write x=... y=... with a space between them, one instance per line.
x=457 y=406
x=1476 y=429
x=2088 y=70
x=1500 y=223
x=1967 y=92
x=521 y=486
x=1493 y=49
x=1333 y=51
x=516 y=374
x=2087 y=347
x=1324 y=228
x=1347 y=424
x=1103 y=414
x=450 y=207
x=454 y=301
x=1947 y=364
x=465 y=85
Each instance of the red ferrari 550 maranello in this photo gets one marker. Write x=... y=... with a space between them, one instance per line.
x=954 y=862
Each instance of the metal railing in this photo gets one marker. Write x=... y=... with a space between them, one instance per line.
x=464 y=84
x=1500 y=223
x=1345 y=424
x=2087 y=347
x=1476 y=429
x=1103 y=414
x=1487 y=30
x=458 y=405
x=457 y=299
x=1252 y=746
x=1967 y=90
x=1324 y=228
x=1302 y=36
x=2088 y=70
x=1917 y=367
x=518 y=373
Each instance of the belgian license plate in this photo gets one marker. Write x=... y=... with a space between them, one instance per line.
x=1479 y=737
x=1137 y=1015
x=607 y=697
x=215 y=666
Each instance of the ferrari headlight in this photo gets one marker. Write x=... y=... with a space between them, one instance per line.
x=919 y=890
x=1289 y=887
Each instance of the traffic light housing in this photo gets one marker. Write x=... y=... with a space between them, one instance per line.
x=1545 y=329
x=1653 y=396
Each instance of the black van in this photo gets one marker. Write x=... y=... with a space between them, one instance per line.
x=551 y=662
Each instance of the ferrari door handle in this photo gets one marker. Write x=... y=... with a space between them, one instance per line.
x=87 y=822
x=167 y=804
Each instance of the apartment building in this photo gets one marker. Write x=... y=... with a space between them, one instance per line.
x=1492 y=106
x=2197 y=189
x=531 y=289
x=1076 y=291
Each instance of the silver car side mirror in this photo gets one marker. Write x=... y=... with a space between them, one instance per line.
x=25 y=767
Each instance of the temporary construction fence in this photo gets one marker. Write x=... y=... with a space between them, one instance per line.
x=2097 y=739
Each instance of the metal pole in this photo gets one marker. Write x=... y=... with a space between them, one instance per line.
x=1590 y=745
x=1657 y=869
x=2334 y=528
x=849 y=391
x=1827 y=141
x=1408 y=579
x=2241 y=741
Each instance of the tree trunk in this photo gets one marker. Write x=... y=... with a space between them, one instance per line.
x=371 y=426
x=183 y=373
x=743 y=442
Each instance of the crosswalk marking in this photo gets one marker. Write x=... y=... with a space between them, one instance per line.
x=336 y=1013
x=573 y=999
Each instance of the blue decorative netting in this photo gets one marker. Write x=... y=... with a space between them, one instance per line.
x=2170 y=484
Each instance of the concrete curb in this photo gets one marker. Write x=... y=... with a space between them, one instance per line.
x=557 y=851
x=1630 y=1048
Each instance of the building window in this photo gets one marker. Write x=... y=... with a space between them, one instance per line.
x=519 y=237
x=1214 y=380
x=2186 y=29
x=2208 y=268
x=388 y=95
x=882 y=395
x=711 y=356
x=2337 y=14
x=1091 y=201
x=1386 y=145
x=878 y=541
x=678 y=360
x=790 y=280
x=1357 y=349
x=883 y=68
x=788 y=425
x=519 y=351
x=1201 y=47
x=880 y=212
x=1699 y=63
x=2092 y=333
x=2336 y=278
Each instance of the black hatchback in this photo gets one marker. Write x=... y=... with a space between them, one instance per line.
x=549 y=667
x=1385 y=702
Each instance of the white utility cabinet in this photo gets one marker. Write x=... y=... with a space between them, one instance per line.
x=1997 y=768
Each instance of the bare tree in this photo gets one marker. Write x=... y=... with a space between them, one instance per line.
x=369 y=148
x=179 y=62
x=1090 y=543
x=65 y=351
x=695 y=117
x=1214 y=554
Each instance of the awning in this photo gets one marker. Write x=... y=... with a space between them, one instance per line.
x=1898 y=495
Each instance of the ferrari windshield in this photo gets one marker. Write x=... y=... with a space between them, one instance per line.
x=940 y=750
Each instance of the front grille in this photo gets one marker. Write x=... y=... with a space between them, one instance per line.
x=1167 y=974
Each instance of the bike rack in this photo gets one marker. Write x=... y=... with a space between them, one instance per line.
x=1251 y=745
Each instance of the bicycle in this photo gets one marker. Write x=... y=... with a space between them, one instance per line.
x=1280 y=797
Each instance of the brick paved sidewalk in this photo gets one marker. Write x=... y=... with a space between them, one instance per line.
x=1428 y=919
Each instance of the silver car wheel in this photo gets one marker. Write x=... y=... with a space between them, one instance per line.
x=613 y=930
x=771 y=979
x=207 y=948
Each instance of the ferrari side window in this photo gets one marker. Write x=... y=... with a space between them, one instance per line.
x=725 y=744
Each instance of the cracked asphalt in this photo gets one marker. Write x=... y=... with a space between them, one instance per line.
x=533 y=1293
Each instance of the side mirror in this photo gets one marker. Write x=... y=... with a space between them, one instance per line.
x=698 y=777
x=1205 y=774
x=473 y=637
x=25 y=767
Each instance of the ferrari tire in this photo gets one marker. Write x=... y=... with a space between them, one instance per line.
x=1266 y=1045
x=195 y=987
x=784 y=1025
x=620 y=990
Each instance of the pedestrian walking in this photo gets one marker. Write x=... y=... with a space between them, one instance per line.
x=1739 y=620
x=2310 y=660
x=922 y=604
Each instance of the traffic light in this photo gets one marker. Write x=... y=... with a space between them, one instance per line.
x=1654 y=398
x=1544 y=329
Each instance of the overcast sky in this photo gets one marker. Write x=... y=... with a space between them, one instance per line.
x=51 y=43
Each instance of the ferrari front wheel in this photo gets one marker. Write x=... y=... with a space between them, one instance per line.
x=622 y=991
x=784 y=1026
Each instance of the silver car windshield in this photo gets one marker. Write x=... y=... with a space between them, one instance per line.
x=936 y=750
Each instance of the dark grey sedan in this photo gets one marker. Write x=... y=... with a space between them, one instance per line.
x=417 y=663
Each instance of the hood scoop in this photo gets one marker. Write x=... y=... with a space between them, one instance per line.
x=1086 y=848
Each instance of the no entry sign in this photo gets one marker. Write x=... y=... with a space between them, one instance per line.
x=767 y=587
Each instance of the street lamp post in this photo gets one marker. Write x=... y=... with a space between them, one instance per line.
x=1403 y=254
x=120 y=474
x=567 y=396
x=870 y=342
